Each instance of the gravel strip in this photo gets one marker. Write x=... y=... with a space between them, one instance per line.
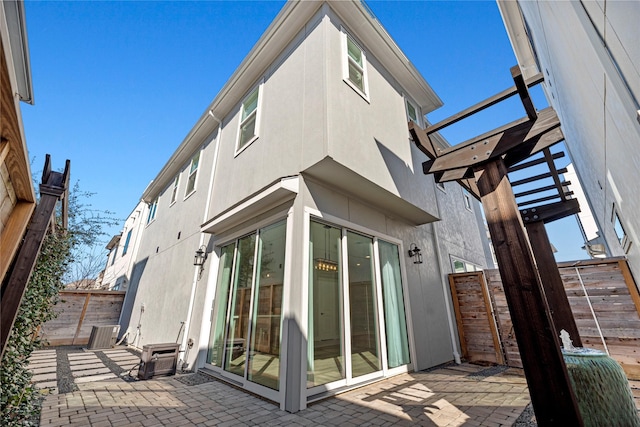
x=526 y=418
x=489 y=372
x=194 y=379
x=63 y=372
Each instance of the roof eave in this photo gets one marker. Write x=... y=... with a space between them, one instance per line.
x=15 y=19
x=286 y=25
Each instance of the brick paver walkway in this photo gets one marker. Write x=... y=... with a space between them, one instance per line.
x=456 y=395
x=450 y=396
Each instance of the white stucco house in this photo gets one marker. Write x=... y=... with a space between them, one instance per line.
x=327 y=247
x=123 y=250
x=589 y=54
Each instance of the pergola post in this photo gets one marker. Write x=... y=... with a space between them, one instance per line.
x=549 y=386
x=552 y=282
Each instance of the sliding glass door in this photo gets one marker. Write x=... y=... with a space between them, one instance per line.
x=357 y=325
x=245 y=339
x=365 y=350
x=325 y=352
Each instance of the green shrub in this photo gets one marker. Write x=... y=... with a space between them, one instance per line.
x=20 y=400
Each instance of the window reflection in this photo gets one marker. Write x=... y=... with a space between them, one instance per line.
x=264 y=363
x=365 y=357
x=238 y=326
x=325 y=349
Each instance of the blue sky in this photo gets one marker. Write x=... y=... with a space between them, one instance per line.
x=118 y=85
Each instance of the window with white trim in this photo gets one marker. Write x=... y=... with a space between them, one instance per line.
x=621 y=234
x=461 y=266
x=355 y=65
x=114 y=253
x=193 y=174
x=152 y=211
x=174 y=191
x=126 y=243
x=249 y=115
x=412 y=112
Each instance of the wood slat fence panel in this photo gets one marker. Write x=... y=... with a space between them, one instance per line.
x=477 y=329
x=608 y=313
x=80 y=310
x=503 y=319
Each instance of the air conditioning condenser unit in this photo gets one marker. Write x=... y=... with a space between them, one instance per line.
x=158 y=359
x=103 y=337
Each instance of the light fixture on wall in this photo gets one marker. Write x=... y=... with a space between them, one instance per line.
x=414 y=251
x=200 y=257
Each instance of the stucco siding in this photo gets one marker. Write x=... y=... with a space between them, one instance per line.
x=595 y=92
x=165 y=272
x=369 y=134
x=291 y=128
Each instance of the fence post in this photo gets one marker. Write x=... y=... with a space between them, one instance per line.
x=631 y=283
x=84 y=310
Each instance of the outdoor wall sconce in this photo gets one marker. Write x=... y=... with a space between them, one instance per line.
x=201 y=256
x=414 y=251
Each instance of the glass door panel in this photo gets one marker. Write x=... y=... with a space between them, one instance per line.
x=393 y=301
x=264 y=349
x=325 y=332
x=365 y=354
x=238 y=321
x=216 y=347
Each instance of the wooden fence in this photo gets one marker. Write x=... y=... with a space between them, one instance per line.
x=603 y=297
x=80 y=310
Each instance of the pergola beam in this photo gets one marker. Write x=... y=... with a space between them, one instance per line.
x=523 y=135
x=535 y=162
x=505 y=94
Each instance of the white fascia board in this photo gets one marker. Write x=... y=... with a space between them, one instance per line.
x=517 y=33
x=283 y=190
x=196 y=137
x=14 y=39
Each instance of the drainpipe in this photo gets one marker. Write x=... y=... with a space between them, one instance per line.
x=445 y=290
x=186 y=342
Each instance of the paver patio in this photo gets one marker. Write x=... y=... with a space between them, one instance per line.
x=455 y=395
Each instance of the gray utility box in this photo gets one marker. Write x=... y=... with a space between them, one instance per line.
x=103 y=337
x=158 y=359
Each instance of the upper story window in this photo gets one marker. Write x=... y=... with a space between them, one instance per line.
x=412 y=112
x=126 y=243
x=114 y=252
x=621 y=234
x=152 y=211
x=248 y=131
x=174 y=191
x=355 y=68
x=193 y=173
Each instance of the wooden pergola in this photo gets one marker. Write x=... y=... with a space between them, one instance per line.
x=535 y=295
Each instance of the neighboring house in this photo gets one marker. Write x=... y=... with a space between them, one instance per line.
x=17 y=196
x=122 y=251
x=589 y=54
x=327 y=247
